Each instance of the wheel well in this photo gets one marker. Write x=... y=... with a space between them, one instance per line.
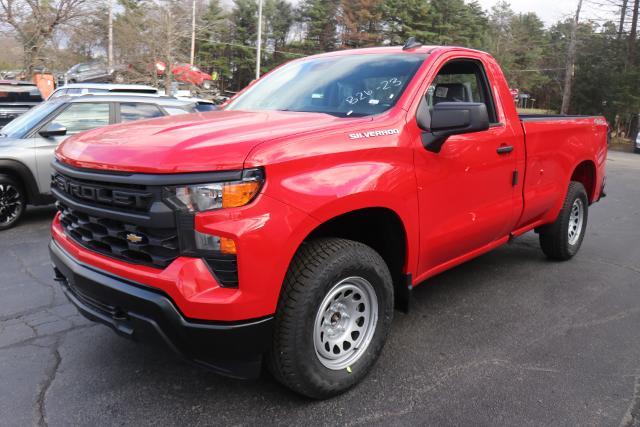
x=585 y=173
x=378 y=228
x=16 y=177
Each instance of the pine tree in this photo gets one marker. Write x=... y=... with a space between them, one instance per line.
x=320 y=19
x=360 y=23
x=404 y=19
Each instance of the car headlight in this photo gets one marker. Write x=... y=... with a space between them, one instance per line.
x=218 y=195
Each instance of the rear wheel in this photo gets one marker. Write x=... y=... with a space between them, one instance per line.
x=562 y=239
x=207 y=84
x=333 y=317
x=12 y=202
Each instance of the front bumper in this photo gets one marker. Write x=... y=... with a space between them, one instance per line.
x=145 y=314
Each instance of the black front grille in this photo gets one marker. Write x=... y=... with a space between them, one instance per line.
x=155 y=247
x=125 y=216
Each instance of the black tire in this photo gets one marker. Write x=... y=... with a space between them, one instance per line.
x=316 y=270
x=12 y=202
x=207 y=84
x=555 y=239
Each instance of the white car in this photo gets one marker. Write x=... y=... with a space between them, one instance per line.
x=636 y=148
x=79 y=89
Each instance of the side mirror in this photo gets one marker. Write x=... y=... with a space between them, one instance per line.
x=450 y=118
x=53 y=129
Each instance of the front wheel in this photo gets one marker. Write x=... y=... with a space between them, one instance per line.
x=207 y=84
x=333 y=317
x=12 y=202
x=562 y=239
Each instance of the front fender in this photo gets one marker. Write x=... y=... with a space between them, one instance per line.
x=326 y=193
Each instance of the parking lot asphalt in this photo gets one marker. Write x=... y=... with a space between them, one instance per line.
x=507 y=339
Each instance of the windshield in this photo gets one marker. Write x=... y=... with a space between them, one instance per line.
x=21 y=125
x=344 y=86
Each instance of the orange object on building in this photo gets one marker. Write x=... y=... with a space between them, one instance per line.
x=45 y=83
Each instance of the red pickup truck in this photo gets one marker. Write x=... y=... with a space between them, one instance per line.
x=288 y=225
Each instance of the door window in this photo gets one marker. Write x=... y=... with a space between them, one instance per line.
x=462 y=81
x=83 y=116
x=131 y=111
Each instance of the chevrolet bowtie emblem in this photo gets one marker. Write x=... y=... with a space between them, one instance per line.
x=134 y=238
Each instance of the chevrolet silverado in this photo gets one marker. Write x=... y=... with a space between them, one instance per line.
x=286 y=227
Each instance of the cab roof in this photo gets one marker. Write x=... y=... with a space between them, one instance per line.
x=424 y=50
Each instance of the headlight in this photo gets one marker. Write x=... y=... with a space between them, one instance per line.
x=218 y=195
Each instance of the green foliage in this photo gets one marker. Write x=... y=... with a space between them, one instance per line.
x=532 y=57
x=406 y=18
x=320 y=18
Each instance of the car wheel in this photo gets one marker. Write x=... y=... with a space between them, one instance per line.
x=118 y=78
x=562 y=239
x=333 y=317
x=12 y=202
x=207 y=84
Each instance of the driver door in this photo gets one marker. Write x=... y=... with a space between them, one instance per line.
x=76 y=118
x=466 y=191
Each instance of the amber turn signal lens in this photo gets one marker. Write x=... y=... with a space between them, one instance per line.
x=227 y=246
x=239 y=193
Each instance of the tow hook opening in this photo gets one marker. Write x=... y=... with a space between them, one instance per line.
x=119 y=315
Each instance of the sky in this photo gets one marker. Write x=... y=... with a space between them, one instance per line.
x=550 y=11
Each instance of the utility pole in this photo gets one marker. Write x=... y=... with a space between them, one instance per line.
x=571 y=59
x=259 y=52
x=110 y=49
x=623 y=15
x=631 y=54
x=193 y=31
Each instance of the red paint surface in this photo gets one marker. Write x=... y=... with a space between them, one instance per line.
x=454 y=205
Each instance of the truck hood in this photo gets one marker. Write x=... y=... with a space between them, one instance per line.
x=201 y=142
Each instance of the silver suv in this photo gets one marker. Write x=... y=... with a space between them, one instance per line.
x=27 y=143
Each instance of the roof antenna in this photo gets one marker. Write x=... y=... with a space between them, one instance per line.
x=411 y=44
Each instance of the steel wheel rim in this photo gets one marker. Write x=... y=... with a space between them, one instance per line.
x=345 y=323
x=10 y=204
x=576 y=220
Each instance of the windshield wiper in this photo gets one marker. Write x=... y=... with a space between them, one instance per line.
x=330 y=113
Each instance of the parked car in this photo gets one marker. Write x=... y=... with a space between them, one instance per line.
x=16 y=98
x=187 y=73
x=636 y=147
x=287 y=226
x=94 y=72
x=79 y=89
x=28 y=142
x=202 y=105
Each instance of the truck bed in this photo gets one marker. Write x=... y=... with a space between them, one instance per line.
x=555 y=144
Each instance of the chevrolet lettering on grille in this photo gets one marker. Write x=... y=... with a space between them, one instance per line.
x=103 y=195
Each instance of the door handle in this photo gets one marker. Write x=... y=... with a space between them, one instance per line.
x=504 y=149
